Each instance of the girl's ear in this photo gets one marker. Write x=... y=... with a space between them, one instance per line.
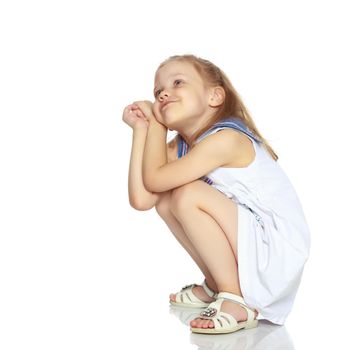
x=217 y=96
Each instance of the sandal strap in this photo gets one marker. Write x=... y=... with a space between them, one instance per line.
x=210 y=292
x=186 y=295
x=231 y=296
x=221 y=319
x=238 y=300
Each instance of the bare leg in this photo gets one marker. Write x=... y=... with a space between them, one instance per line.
x=163 y=209
x=191 y=207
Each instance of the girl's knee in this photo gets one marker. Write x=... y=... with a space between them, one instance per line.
x=163 y=204
x=182 y=197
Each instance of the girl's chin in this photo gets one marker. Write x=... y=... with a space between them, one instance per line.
x=171 y=120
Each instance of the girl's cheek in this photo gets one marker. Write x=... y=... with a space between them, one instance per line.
x=156 y=112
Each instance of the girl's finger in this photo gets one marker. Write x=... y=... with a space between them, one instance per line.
x=127 y=108
x=139 y=114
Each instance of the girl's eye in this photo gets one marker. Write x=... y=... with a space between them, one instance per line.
x=158 y=91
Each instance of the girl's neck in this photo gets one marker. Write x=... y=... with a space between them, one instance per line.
x=187 y=131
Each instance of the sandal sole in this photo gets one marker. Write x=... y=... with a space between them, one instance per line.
x=240 y=325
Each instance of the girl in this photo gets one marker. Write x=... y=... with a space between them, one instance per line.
x=220 y=190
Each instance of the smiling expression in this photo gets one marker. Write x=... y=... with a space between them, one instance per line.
x=179 y=84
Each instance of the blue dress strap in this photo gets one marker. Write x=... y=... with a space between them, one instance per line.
x=233 y=123
x=182 y=146
x=230 y=122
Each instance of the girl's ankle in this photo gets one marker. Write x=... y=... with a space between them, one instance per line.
x=210 y=286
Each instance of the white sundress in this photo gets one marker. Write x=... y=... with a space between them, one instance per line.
x=273 y=235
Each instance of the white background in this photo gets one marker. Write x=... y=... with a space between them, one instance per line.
x=79 y=267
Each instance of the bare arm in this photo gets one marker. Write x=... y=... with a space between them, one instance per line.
x=139 y=197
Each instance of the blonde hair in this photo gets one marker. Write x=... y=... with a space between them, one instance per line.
x=232 y=105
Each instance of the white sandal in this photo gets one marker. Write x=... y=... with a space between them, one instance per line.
x=224 y=322
x=186 y=298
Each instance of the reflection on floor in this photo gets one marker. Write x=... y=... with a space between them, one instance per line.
x=266 y=336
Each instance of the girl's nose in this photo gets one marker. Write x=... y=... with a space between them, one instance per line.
x=162 y=95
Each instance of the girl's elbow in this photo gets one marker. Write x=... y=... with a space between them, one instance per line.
x=139 y=205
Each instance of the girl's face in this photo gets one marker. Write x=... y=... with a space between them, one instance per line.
x=180 y=95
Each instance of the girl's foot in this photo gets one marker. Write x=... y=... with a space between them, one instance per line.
x=237 y=311
x=199 y=292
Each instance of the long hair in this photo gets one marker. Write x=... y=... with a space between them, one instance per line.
x=232 y=106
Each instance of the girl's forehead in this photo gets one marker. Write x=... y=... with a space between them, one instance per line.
x=173 y=68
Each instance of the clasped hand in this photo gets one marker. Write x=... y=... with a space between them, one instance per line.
x=147 y=108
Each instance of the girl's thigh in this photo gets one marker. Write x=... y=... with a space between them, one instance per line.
x=199 y=194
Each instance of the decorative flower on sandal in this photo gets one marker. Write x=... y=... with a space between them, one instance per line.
x=209 y=312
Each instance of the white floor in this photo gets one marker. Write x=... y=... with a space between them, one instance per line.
x=109 y=290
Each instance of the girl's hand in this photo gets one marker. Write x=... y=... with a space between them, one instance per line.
x=134 y=117
x=148 y=109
